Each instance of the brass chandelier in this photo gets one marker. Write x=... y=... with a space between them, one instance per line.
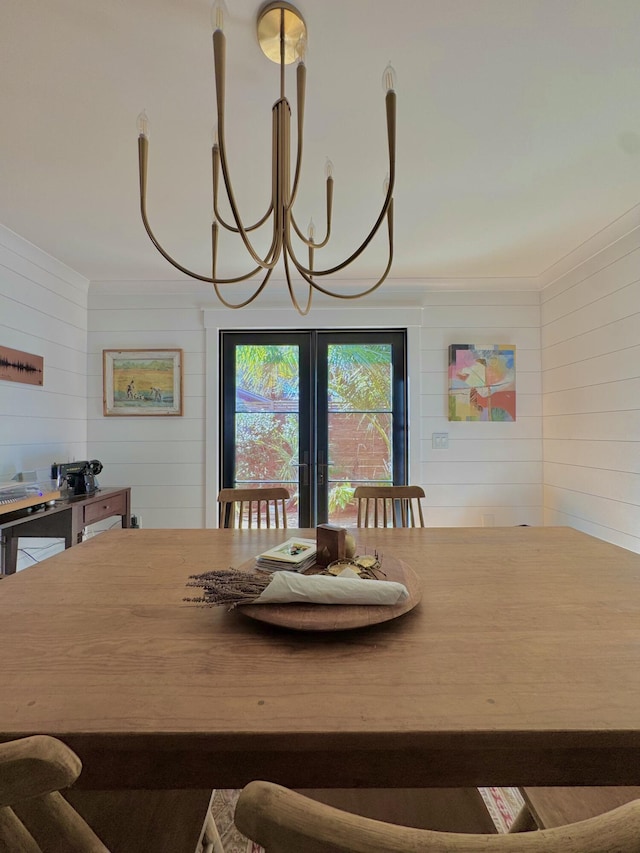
x=282 y=37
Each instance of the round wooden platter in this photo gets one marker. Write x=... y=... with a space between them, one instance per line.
x=340 y=617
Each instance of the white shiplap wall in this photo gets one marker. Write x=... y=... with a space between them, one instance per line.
x=589 y=324
x=591 y=383
x=162 y=459
x=491 y=473
x=43 y=310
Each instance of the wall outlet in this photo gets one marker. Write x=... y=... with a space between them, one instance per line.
x=440 y=440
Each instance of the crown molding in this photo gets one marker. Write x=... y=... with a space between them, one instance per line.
x=598 y=242
x=32 y=254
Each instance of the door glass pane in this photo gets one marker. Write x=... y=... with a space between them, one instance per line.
x=267 y=403
x=318 y=412
x=360 y=384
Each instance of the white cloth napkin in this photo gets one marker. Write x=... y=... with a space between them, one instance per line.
x=290 y=588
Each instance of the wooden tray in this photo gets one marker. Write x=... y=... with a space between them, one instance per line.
x=340 y=617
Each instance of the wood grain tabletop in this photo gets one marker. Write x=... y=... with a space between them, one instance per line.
x=520 y=665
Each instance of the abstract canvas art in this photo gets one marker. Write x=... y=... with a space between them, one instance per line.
x=482 y=382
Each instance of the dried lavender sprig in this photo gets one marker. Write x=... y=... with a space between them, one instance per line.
x=227 y=587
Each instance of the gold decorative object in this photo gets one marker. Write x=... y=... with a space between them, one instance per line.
x=367 y=562
x=366 y=566
x=349 y=546
x=282 y=36
x=339 y=566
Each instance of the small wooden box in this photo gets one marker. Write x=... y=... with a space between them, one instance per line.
x=331 y=543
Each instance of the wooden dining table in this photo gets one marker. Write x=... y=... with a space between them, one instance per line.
x=520 y=665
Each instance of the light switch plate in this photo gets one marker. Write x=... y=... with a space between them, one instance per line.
x=439 y=440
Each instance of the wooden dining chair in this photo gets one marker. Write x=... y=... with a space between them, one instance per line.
x=253 y=507
x=389 y=506
x=35 y=817
x=283 y=821
x=551 y=807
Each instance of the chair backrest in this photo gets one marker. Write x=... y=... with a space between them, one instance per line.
x=34 y=816
x=283 y=821
x=253 y=507
x=389 y=506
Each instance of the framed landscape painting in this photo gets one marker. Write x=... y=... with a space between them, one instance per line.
x=142 y=382
x=482 y=382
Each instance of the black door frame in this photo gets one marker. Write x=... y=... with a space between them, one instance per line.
x=313 y=411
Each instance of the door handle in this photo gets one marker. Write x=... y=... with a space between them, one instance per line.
x=304 y=466
x=322 y=469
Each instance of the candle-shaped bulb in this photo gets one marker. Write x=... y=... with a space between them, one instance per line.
x=311 y=230
x=328 y=168
x=214 y=136
x=143 y=125
x=389 y=78
x=385 y=185
x=218 y=14
x=301 y=48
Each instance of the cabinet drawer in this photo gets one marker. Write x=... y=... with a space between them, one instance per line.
x=108 y=506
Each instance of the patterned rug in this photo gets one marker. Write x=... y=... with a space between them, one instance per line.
x=222 y=809
x=503 y=805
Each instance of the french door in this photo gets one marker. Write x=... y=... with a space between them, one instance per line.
x=319 y=412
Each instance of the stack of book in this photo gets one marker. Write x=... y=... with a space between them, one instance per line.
x=294 y=555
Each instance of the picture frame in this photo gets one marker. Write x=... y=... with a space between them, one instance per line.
x=482 y=382
x=142 y=382
x=18 y=366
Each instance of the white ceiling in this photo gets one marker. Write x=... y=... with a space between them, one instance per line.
x=518 y=129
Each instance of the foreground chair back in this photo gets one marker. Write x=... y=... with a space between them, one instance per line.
x=389 y=506
x=253 y=507
x=283 y=821
x=36 y=818
x=32 y=772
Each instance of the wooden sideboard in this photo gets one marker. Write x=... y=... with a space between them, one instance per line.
x=66 y=519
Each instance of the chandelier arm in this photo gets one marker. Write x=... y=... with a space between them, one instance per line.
x=143 y=146
x=219 y=48
x=391 y=128
x=304 y=273
x=215 y=156
x=273 y=248
x=301 y=77
x=284 y=192
x=246 y=302
x=305 y=240
x=234 y=230
x=241 y=230
x=214 y=257
x=294 y=300
x=332 y=270
x=327 y=236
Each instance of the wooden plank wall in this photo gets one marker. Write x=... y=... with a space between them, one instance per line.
x=591 y=381
x=43 y=310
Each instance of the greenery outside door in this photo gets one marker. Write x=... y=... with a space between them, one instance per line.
x=318 y=412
